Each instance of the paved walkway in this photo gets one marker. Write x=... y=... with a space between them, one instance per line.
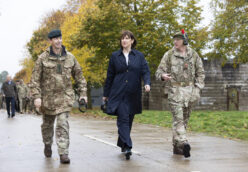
x=93 y=148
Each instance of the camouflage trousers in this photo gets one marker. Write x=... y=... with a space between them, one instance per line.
x=62 y=131
x=181 y=116
x=21 y=104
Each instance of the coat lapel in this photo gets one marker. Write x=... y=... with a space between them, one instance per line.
x=122 y=59
x=132 y=58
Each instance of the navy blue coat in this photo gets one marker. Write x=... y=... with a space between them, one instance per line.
x=125 y=80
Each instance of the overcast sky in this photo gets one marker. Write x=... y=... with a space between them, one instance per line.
x=18 y=20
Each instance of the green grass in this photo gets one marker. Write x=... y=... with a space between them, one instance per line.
x=227 y=124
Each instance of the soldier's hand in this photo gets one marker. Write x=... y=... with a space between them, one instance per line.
x=166 y=77
x=147 y=88
x=37 y=103
x=85 y=99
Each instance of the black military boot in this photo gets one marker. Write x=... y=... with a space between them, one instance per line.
x=186 y=150
x=177 y=150
x=48 y=151
x=64 y=159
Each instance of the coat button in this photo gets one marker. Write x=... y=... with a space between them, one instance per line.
x=126 y=80
x=127 y=70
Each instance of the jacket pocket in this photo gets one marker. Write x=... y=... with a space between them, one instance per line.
x=195 y=96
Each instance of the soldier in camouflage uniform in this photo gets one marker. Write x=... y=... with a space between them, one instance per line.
x=29 y=102
x=51 y=88
x=182 y=70
x=22 y=94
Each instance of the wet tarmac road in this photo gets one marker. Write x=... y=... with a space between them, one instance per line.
x=92 y=148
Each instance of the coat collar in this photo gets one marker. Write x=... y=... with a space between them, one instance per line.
x=54 y=56
x=188 y=54
x=131 y=52
x=131 y=57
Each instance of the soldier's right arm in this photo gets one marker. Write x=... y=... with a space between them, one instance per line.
x=35 y=79
x=163 y=67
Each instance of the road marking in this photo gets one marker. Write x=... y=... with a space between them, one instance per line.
x=108 y=143
x=91 y=137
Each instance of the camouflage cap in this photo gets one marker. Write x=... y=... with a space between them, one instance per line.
x=54 y=34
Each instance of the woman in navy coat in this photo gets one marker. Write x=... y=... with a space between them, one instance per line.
x=127 y=67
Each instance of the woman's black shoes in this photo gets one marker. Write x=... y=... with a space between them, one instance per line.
x=123 y=150
x=128 y=153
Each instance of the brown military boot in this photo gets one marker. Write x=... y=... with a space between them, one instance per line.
x=48 y=151
x=64 y=159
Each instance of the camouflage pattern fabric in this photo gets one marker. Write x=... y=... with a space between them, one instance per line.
x=62 y=131
x=51 y=81
x=53 y=87
x=29 y=105
x=188 y=76
x=22 y=93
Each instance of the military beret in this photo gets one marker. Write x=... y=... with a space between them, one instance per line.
x=178 y=35
x=54 y=34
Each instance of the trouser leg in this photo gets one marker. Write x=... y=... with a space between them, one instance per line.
x=13 y=106
x=178 y=127
x=186 y=115
x=21 y=105
x=124 y=124
x=62 y=133
x=7 y=100
x=47 y=129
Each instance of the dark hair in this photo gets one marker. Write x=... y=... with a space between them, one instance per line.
x=130 y=35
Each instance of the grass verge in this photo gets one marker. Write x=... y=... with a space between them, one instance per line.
x=227 y=124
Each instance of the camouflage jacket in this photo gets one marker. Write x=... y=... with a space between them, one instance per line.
x=21 y=90
x=51 y=81
x=187 y=75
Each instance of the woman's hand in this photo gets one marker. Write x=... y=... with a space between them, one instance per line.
x=147 y=88
x=104 y=98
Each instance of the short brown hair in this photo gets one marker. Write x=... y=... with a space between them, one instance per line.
x=130 y=35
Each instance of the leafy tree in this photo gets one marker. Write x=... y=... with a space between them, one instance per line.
x=3 y=75
x=72 y=6
x=229 y=32
x=153 y=22
x=26 y=71
x=20 y=75
x=190 y=16
x=39 y=41
x=91 y=32
x=73 y=37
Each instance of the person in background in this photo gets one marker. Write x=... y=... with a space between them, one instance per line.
x=22 y=94
x=10 y=92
